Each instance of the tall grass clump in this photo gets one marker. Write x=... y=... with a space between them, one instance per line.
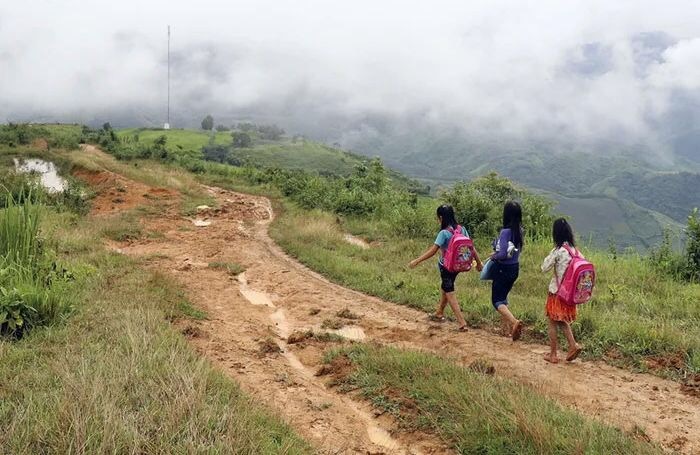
x=19 y=229
x=29 y=280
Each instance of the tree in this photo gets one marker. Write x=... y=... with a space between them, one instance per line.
x=221 y=128
x=216 y=152
x=107 y=126
x=270 y=132
x=692 y=246
x=245 y=126
x=241 y=140
x=208 y=123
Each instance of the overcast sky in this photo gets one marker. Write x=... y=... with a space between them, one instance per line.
x=577 y=68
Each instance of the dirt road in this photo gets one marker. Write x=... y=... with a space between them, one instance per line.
x=251 y=315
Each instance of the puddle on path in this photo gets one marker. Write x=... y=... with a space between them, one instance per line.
x=254 y=297
x=280 y=320
x=47 y=171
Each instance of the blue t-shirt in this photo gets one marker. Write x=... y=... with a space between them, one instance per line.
x=443 y=240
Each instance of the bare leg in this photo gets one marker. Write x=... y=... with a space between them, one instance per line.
x=574 y=348
x=505 y=326
x=440 y=312
x=552 y=330
x=452 y=300
x=507 y=315
x=516 y=326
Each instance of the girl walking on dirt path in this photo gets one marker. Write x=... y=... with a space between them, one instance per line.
x=559 y=313
x=448 y=223
x=506 y=265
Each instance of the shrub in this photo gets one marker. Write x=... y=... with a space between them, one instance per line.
x=216 y=152
x=692 y=247
x=241 y=140
x=479 y=206
x=28 y=276
x=208 y=123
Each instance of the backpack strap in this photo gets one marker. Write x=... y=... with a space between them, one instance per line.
x=573 y=252
x=452 y=230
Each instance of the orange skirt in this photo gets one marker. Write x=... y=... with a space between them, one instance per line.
x=557 y=310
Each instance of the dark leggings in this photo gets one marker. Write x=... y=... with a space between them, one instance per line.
x=504 y=277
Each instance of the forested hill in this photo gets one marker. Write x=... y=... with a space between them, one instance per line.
x=623 y=194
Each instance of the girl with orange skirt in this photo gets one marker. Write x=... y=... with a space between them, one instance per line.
x=560 y=314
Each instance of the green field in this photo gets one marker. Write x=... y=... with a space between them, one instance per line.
x=284 y=153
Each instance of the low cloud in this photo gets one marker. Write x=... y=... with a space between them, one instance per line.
x=579 y=70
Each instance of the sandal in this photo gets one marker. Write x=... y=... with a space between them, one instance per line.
x=436 y=318
x=463 y=329
x=517 y=331
x=573 y=355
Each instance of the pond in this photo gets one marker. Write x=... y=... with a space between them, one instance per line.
x=46 y=170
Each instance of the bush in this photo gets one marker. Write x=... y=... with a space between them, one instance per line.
x=270 y=132
x=16 y=187
x=27 y=274
x=241 y=140
x=479 y=206
x=692 y=248
x=208 y=123
x=216 y=152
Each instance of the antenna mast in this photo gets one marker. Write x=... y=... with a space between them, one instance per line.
x=167 y=122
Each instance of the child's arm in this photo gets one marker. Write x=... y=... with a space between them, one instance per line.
x=479 y=264
x=430 y=252
x=549 y=261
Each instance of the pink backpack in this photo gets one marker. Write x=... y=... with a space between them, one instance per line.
x=576 y=286
x=460 y=253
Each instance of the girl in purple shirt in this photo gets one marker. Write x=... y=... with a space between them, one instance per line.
x=506 y=266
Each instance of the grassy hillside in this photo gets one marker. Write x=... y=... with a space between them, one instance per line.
x=284 y=153
x=601 y=219
x=566 y=172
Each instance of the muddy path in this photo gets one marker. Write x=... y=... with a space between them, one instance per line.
x=250 y=317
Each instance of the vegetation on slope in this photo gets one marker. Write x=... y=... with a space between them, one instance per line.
x=115 y=376
x=471 y=411
x=100 y=381
x=566 y=171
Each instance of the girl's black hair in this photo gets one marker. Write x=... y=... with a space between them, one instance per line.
x=562 y=232
x=513 y=220
x=447 y=216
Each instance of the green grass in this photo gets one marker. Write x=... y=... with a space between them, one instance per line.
x=472 y=412
x=116 y=377
x=284 y=153
x=123 y=228
x=637 y=313
x=177 y=139
x=300 y=154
